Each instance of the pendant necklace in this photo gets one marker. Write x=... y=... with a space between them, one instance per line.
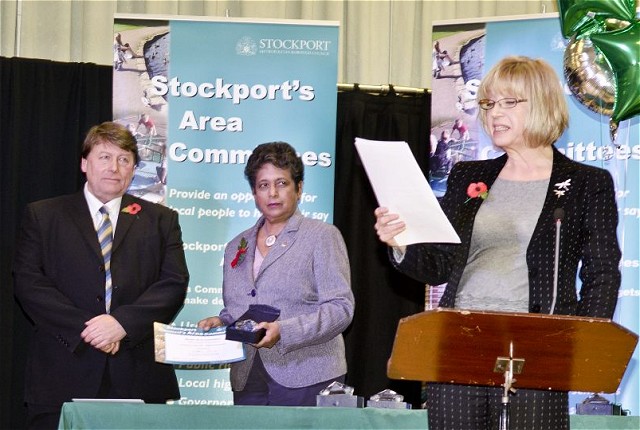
x=271 y=238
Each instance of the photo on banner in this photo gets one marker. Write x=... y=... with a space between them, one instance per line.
x=462 y=52
x=199 y=94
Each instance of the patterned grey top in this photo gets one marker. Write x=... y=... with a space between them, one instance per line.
x=496 y=274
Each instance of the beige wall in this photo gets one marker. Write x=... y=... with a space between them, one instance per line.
x=382 y=41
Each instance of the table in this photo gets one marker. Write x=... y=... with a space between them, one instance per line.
x=100 y=415
x=97 y=415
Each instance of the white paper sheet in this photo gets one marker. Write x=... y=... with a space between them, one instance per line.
x=178 y=345
x=399 y=185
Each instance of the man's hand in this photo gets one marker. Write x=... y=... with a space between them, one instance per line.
x=102 y=332
x=112 y=348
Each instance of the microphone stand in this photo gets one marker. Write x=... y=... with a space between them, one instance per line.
x=509 y=366
x=558 y=215
x=508 y=382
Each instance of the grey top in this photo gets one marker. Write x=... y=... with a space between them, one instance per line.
x=496 y=276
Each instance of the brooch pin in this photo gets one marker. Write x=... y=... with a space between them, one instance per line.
x=240 y=254
x=562 y=187
x=477 y=190
x=132 y=209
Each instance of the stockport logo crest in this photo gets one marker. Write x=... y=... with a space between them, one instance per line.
x=246 y=46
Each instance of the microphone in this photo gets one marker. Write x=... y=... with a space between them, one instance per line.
x=558 y=216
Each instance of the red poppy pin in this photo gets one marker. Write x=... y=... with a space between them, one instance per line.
x=477 y=189
x=242 y=250
x=132 y=209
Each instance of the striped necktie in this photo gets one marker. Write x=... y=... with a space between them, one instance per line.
x=105 y=237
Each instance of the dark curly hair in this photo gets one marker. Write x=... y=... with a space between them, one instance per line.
x=281 y=155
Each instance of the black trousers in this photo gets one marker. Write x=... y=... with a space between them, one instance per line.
x=47 y=417
x=42 y=417
x=462 y=407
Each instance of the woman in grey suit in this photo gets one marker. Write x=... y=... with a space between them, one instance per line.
x=506 y=211
x=298 y=265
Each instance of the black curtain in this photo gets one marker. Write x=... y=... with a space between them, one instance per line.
x=382 y=294
x=47 y=107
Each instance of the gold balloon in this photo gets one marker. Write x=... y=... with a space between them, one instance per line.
x=589 y=76
x=588 y=73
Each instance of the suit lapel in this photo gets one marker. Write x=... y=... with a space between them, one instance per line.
x=490 y=171
x=494 y=169
x=251 y=236
x=79 y=213
x=125 y=221
x=284 y=242
x=561 y=171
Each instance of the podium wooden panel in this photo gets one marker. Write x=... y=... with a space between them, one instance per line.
x=560 y=352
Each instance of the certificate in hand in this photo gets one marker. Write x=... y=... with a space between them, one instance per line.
x=179 y=345
x=400 y=186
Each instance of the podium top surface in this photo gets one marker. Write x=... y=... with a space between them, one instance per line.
x=560 y=352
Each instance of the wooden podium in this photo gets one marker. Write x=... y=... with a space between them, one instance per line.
x=553 y=352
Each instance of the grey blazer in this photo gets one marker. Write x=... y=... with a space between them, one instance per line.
x=306 y=275
x=588 y=239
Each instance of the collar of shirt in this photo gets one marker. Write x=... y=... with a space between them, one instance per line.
x=94 y=208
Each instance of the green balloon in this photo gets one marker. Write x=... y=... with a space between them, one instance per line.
x=621 y=49
x=577 y=16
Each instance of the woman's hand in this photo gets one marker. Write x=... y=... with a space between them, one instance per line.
x=388 y=226
x=209 y=323
x=271 y=337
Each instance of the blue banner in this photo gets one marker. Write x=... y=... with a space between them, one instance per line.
x=200 y=95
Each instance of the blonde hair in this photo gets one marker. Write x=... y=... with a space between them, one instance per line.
x=533 y=80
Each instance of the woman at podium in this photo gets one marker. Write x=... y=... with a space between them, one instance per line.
x=529 y=222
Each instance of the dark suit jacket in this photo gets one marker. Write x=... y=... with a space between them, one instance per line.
x=588 y=235
x=59 y=282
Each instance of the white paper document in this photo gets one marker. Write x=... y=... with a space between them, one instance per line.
x=399 y=185
x=179 y=345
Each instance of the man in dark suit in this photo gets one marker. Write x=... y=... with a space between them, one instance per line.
x=93 y=303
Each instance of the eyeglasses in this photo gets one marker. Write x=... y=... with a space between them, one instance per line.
x=506 y=103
